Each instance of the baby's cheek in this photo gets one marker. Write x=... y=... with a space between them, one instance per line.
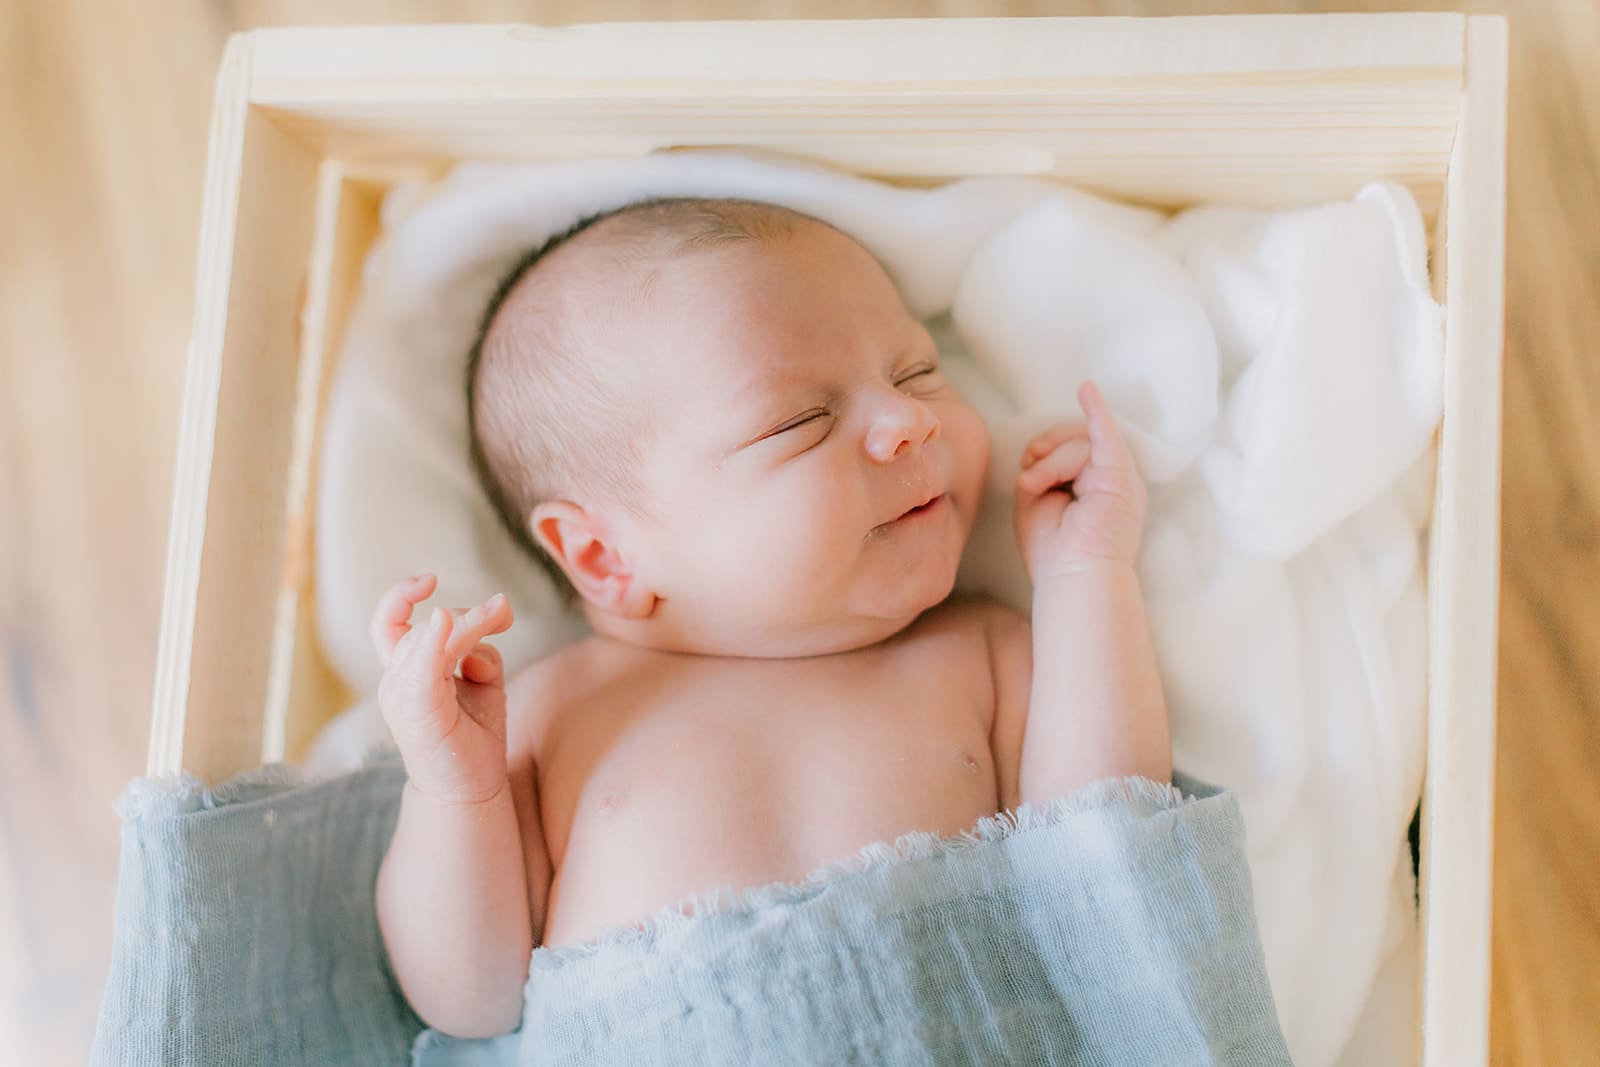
x=809 y=518
x=969 y=440
x=779 y=550
x=983 y=446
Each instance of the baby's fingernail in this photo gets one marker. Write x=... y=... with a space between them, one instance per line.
x=495 y=601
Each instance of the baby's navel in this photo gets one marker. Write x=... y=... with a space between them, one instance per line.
x=608 y=803
x=970 y=763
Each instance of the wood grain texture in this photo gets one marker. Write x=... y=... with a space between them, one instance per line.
x=103 y=124
x=236 y=399
x=1263 y=110
x=1462 y=567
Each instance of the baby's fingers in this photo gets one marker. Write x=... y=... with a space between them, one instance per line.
x=493 y=616
x=391 y=620
x=1044 y=443
x=1110 y=448
x=1062 y=465
x=483 y=665
x=417 y=674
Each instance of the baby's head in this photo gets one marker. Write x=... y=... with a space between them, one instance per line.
x=705 y=418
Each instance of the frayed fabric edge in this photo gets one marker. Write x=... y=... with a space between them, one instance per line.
x=178 y=792
x=916 y=845
x=181 y=793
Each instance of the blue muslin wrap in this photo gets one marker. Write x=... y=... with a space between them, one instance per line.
x=1111 y=926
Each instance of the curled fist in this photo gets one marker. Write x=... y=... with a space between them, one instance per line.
x=450 y=727
x=1080 y=499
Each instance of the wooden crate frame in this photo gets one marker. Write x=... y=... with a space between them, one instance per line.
x=310 y=126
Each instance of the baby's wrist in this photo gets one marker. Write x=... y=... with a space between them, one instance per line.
x=1074 y=571
x=465 y=796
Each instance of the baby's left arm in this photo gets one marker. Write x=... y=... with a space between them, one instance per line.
x=1096 y=708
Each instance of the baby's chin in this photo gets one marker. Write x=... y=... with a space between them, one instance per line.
x=867 y=620
x=853 y=627
x=846 y=634
x=891 y=598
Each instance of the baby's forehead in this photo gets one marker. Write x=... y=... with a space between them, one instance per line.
x=625 y=287
x=612 y=267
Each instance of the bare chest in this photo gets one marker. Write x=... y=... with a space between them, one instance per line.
x=679 y=774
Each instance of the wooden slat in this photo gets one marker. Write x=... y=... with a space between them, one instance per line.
x=1463 y=573
x=234 y=445
x=1174 y=185
x=203 y=371
x=303 y=691
x=1168 y=112
x=298 y=66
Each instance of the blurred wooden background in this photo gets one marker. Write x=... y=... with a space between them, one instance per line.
x=103 y=121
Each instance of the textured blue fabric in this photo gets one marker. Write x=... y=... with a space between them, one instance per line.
x=1113 y=926
x=246 y=931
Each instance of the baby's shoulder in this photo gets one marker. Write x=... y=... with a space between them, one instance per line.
x=989 y=636
x=538 y=692
x=995 y=642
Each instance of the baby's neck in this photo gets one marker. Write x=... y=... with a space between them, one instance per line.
x=665 y=631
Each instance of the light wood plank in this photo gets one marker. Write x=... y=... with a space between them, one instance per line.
x=218 y=226
x=231 y=487
x=304 y=691
x=1463 y=577
x=300 y=66
x=1168 y=112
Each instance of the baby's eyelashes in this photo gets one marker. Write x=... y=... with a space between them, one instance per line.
x=927 y=376
x=924 y=373
x=802 y=421
x=922 y=380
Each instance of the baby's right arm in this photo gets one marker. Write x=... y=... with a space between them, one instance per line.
x=453 y=896
x=1096 y=707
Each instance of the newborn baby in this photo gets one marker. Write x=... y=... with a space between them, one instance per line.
x=717 y=425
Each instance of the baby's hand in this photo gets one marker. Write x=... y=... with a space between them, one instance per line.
x=451 y=730
x=1097 y=513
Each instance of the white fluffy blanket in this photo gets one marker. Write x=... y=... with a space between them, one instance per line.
x=1278 y=374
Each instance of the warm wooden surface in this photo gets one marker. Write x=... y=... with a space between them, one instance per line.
x=103 y=123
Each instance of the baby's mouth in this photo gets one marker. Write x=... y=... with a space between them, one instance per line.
x=927 y=507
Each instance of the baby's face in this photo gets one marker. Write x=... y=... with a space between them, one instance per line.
x=802 y=413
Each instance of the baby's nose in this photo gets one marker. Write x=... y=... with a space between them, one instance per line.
x=901 y=427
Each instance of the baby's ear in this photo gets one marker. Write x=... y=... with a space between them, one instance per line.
x=592 y=561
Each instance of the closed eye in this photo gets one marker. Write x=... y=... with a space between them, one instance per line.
x=921 y=373
x=801 y=421
x=812 y=416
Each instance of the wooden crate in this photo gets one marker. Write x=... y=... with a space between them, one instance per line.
x=311 y=126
